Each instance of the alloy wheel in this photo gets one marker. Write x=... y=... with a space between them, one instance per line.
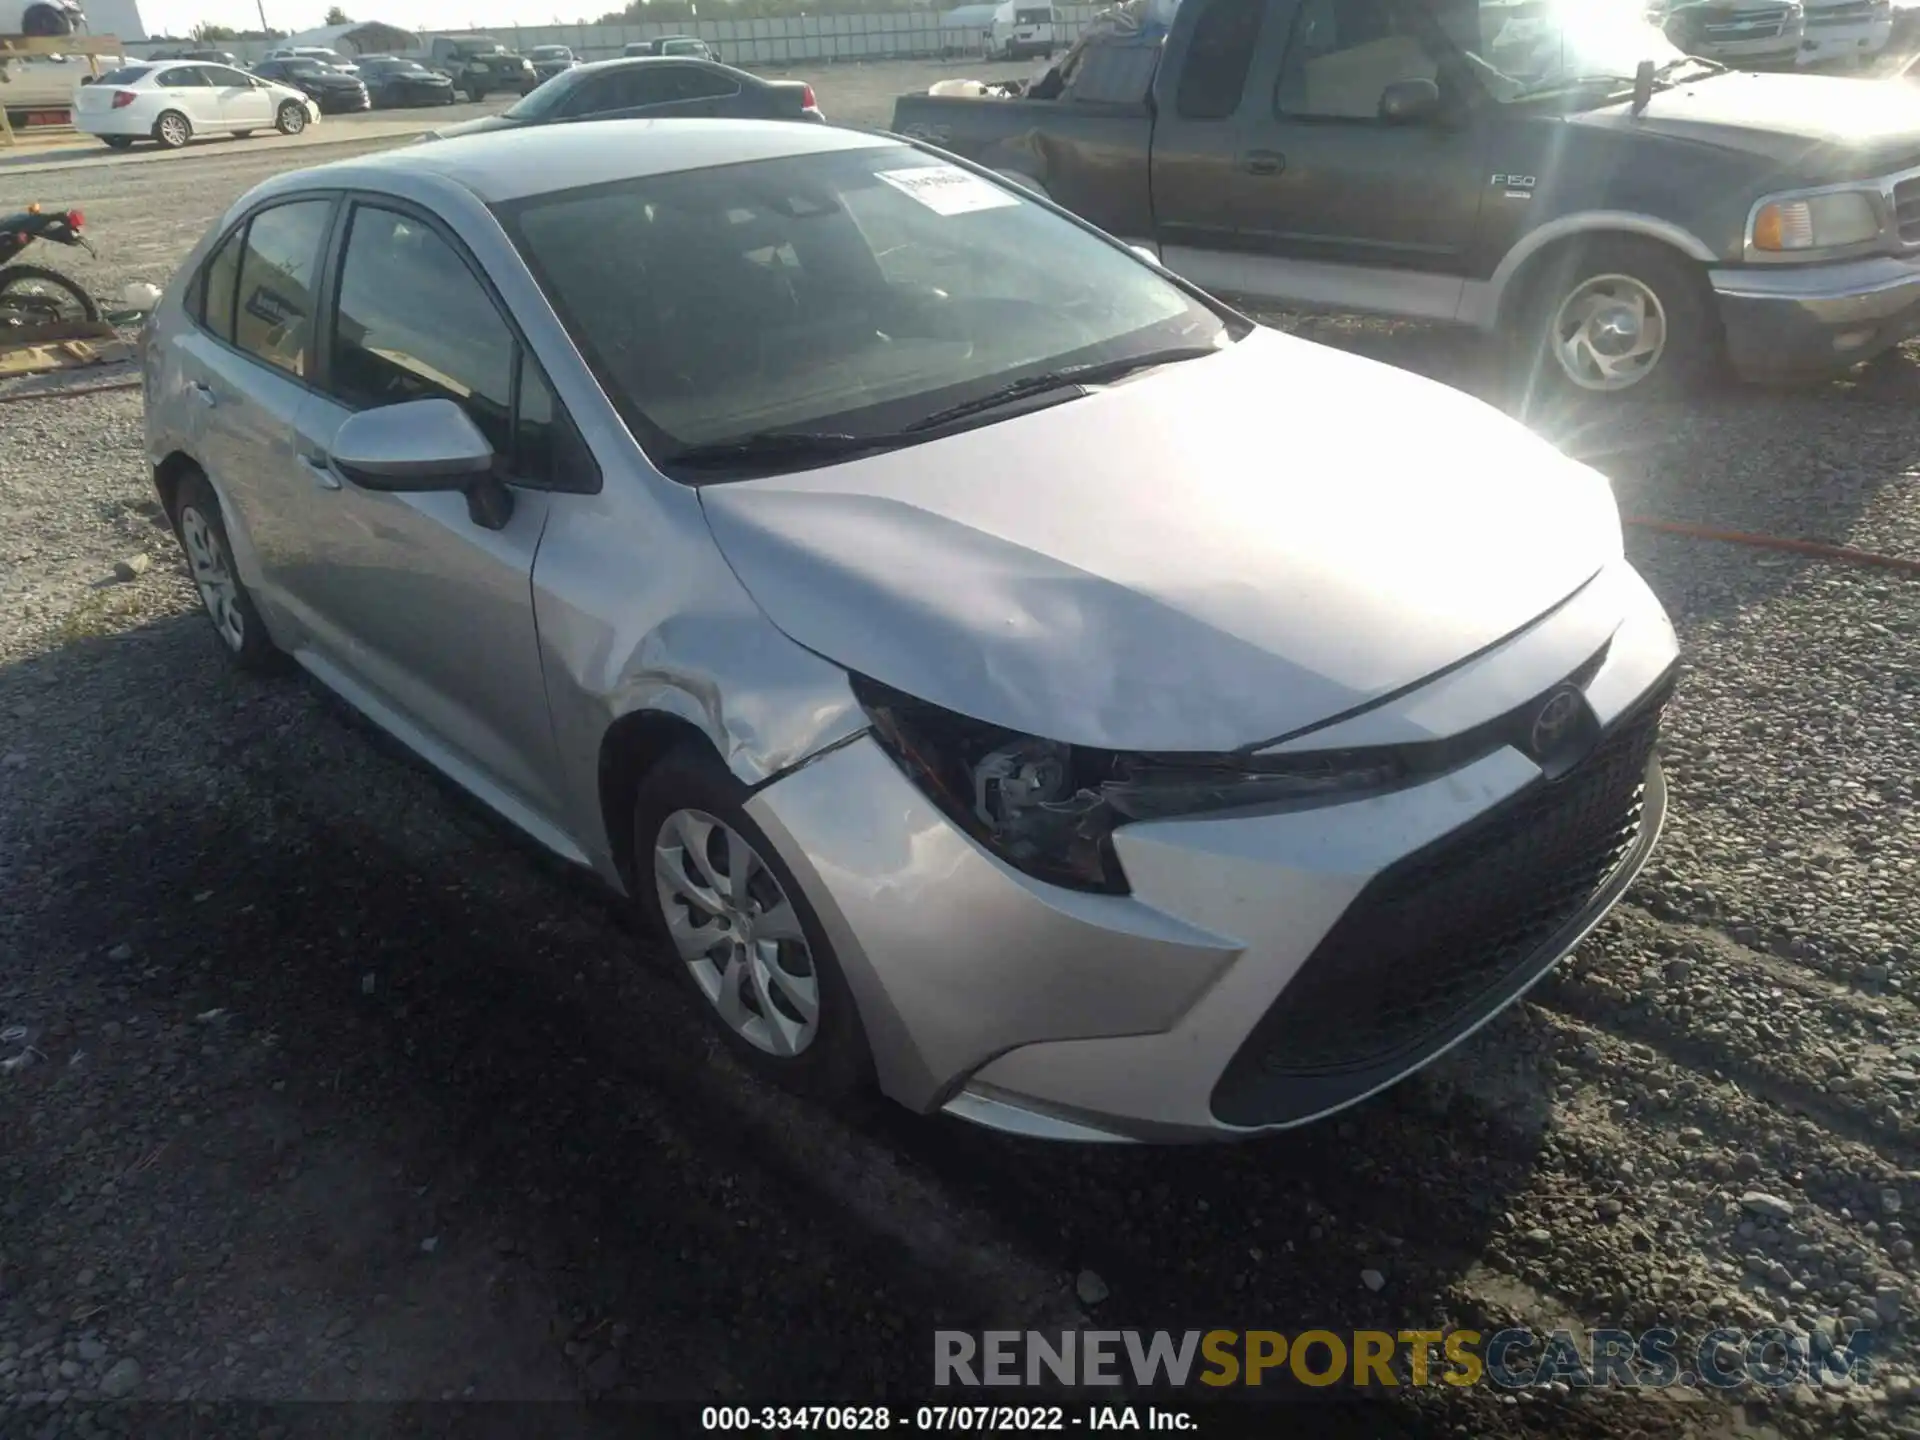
x=737 y=933
x=213 y=577
x=1609 y=333
x=174 y=131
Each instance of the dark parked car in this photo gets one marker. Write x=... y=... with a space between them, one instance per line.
x=685 y=45
x=479 y=65
x=654 y=88
x=331 y=89
x=1630 y=217
x=393 y=83
x=551 y=60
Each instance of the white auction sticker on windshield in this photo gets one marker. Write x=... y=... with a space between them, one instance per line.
x=947 y=189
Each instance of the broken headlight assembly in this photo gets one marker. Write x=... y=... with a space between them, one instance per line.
x=1050 y=809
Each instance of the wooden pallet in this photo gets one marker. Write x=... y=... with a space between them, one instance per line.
x=18 y=47
x=37 y=349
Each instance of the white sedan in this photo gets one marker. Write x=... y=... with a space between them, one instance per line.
x=173 y=101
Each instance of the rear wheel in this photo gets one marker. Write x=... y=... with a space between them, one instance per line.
x=172 y=130
x=291 y=118
x=743 y=934
x=203 y=540
x=31 y=295
x=43 y=22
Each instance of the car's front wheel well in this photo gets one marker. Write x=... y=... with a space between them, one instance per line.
x=1556 y=258
x=630 y=749
x=167 y=476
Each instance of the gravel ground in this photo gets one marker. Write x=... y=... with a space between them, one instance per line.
x=317 y=1084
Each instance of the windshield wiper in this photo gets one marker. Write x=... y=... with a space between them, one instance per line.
x=1573 y=82
x=1713 y=67
x=777 y=445
x=1089 y=374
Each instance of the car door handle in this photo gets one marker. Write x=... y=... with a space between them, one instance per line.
x=1264 y=162
x=324 y=475
x=203 y=392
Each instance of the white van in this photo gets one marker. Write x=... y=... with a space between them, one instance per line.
x=1021 y=28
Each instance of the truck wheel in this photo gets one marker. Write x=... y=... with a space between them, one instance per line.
x=476 y=93
x=1616 y=317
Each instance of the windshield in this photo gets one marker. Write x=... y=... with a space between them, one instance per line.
x=479 y=47
x=682 y=47
x=852 y=292
x=1033 y=17
x=550 y=52
x=124 y=76
x=1526 y=48
x=544 y=96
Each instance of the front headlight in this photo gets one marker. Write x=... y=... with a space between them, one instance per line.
x=1816 y=222
x=1051 y=809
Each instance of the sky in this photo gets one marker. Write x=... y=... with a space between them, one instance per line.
x=177 y=17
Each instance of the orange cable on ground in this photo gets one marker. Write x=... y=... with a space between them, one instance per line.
x=1846 y=554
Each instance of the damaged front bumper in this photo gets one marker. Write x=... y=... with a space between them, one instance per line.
x=1267 y=968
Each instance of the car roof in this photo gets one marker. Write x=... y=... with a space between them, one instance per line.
x=512 y=164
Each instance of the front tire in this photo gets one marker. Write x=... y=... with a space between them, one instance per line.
x=291 y=118
x=173 y=130
x=741 y=930
x=202 y=532
x=1616 y=318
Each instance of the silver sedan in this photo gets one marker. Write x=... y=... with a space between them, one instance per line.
x=999 y=672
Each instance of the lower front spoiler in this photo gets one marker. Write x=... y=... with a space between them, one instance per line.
x=1317 y=1097
x=1810 y=321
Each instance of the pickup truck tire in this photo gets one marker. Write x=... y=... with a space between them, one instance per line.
x=475 y=93
x=1616 y=317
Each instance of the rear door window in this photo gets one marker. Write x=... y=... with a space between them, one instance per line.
x=273 y=316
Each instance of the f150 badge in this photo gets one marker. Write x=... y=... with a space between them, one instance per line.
x=1518 y=187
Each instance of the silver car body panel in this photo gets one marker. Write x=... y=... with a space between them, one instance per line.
x=1207 y=621
x=937 y=936
x=1365 y=584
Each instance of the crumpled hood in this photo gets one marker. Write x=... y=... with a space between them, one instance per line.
x=1792 y=118
x=1201 y=558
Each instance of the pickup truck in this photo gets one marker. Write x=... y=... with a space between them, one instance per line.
x=1629 y=216
x=477 y=64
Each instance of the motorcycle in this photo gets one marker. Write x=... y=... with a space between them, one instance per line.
x=33 y=295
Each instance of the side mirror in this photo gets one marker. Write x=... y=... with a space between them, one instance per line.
x=1409 y=102
x=421 y=446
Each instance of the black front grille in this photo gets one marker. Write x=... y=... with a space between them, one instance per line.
x=1751 y=24
x=1446 y=933
x=1906 y=210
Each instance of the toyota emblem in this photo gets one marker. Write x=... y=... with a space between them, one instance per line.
x=1555 y=721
